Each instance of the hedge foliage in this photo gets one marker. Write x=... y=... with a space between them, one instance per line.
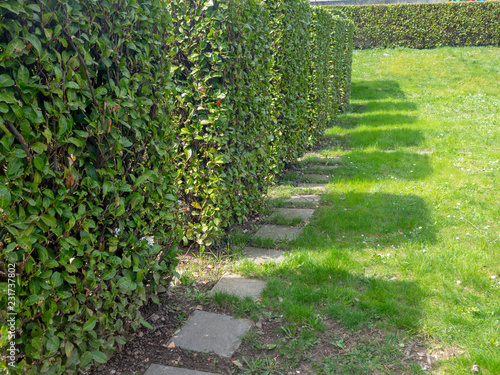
x=129 y=126
x=290 y=22
x=320 y=104
x=221 y=72
x=341 y=45
x=425 y=25
x=87 y=181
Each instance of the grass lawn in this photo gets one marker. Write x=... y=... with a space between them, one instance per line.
x=405 y=246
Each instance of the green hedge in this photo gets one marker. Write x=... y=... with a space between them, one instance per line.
x=290 y=22
x=425 y=25
x=87 y=187
x=341 y=45
x=319 y=79
x=221 y=73
x=129 y=126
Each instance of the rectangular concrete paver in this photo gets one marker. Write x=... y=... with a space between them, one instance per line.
x=239 y=286
x=325 y=167
x=303 y=199
x=311 y=186
x=294 y=213
x=211 y=333
x=259 y=255
x=167 y=370
x=315 y=176
x=278 y=232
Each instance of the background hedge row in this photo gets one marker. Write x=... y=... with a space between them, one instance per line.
x=130 y=126
x=425 y=25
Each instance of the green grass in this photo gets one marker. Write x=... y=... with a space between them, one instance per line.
x=407 y=237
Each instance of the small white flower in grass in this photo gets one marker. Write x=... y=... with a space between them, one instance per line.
x=458 y=204
x=459 y=282
x=493 y=277
x=458 y=238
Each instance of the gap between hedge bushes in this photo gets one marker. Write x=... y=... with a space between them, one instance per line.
x=425 y=25
x=128 y=127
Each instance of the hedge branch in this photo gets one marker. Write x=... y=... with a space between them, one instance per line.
x=82 y=61
x=23 y=143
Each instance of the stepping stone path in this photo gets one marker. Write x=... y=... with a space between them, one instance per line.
x=239 y=286
x=167 y=370
x=207 y=332
x=311 y=186
x=328 y=167
x=314 y=176
x=294 y=213
x=278 y=232
x=303 y=199
x=259 y=255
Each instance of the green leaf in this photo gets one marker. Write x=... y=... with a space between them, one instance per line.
x=33 y=39
x=6 y=81
x=72 y=85
x=33 y=299
x=109 y=274
x=107 y=186
x=53 y=344
x=142 y=178
x=146 y=324
x=23 y=74
x=8 y=97
x=99 y=356
x=90 y=324
x=56 y=279
x=68 y=348
x=39 y=163
x=5 y=197
x=49 y=220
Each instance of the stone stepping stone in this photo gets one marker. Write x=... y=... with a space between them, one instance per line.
x=315 y=176
x=167 y=370
x=312 y=186
x=294 y=213
x=259 y=255
x=239 y=286
x=207 y=332
x=278 y=232
x=325 y=167
x=303 y=199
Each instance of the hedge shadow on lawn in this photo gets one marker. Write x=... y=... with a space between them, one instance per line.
x=355 y=221
x=354 y=300
x=386 y=139
x=376 y=90
x=382 y=106
x=350 y=121
x=382 y=165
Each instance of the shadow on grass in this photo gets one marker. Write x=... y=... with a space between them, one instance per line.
x=354 y=300
x=376 y=90
x=385 y=139
x=350 y=121
x=382 y=106
x=379 y=165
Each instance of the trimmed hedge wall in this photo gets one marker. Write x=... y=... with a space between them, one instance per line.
x=425 y=25
x=290 y=22
x=319 y=105
x=87 y=179
x=129 y=126
x=221 y=72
